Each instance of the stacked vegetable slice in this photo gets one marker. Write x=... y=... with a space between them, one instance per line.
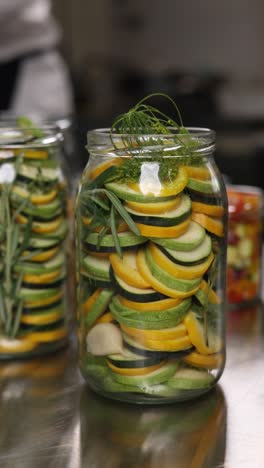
x=37 y=200
x=158 y=298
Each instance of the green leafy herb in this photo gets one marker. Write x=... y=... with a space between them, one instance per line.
x=26 y=124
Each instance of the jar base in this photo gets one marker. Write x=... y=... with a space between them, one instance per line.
x=182 y=395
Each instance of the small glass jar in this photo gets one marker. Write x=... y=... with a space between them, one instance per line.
x=33 y=232
x=244 y=252
x=151 y=260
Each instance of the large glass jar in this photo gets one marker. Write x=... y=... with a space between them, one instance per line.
x=33 y=231
x=151 y=253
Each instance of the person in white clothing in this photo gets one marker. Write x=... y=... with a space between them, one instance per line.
x=34 y=78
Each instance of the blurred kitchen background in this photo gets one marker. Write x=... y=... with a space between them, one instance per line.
x=206 y=55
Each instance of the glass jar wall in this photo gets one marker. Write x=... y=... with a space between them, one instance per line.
x=151 y=254
x=33 y=231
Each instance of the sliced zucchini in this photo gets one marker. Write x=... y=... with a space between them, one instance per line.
x=20 y=192
x=176 y=269
x=107 y=243
x=97 y=266
x=129 y=360
x=194 y=235
x=181 y=285
x=48 y=211
x=189 y=379
x=149 y=320
x=46 y=174
x=98 y=307
x=136 y=347
x=31 y=295
x=202 y=186
x=32 y=268
x=191 y=257
x=132 y=293
x=158 y=285
x=162 y=374
x=168 y=218
x=125 y=192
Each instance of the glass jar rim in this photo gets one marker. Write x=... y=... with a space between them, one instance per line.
x=12 y=136
x=197 y=132
x=102 y=139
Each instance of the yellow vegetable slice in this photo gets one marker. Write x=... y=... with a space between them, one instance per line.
x=154 y=208
x=42 y=319
x=212 y=361
x=107 y=317
x=134 y=371
x=210 y=223
x=47 y=301
x=126 y=268
x=47 y=336
x=213 y=297
x=158 y=231
x=196 y=334
x=16 y=345
x=163 y=304
x=90 y=301
x=37 y=198
x=41 y=279
x=173 y=188
x=179 y=271
x=98 y=170
x=41 y=228
x=32 y=154
x=43 y=256
x=212 y=210
x=201 y=173
x=156 y=284
x=177 y=344
x=162 y=334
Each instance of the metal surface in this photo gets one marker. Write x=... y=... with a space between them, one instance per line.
x=49 y=418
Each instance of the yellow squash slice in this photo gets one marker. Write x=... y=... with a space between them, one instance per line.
x=211 y=210
x=136 y=370
x=212 y=361
x=154 y=208
x=179 y=271
x=160 y=231
x=210 y=223
x=126 y=268
x=156 y=284
x=163 y=304
x=162 y=334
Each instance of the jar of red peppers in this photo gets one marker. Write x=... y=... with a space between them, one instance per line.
x=244 y=243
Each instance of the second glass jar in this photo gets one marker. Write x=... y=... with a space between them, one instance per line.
x=151 y=259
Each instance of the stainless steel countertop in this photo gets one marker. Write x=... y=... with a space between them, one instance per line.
x=49 y=418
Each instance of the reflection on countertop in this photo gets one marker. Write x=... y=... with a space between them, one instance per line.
x=49 y=418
